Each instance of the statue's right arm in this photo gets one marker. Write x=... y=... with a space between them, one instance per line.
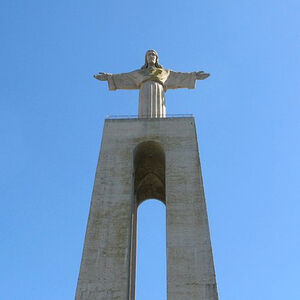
x=103 y=76
x=126 y=81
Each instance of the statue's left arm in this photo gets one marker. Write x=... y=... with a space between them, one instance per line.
x=178 y=80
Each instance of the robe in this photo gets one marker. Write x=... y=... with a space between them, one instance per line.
x=153 y=83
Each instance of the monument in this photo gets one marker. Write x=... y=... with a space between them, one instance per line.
x=151 y=156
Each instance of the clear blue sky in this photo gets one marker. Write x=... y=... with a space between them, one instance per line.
x=247 y=116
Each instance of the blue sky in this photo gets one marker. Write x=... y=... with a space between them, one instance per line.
x=247 y=116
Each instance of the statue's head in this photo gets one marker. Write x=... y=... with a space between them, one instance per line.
x=151 y=58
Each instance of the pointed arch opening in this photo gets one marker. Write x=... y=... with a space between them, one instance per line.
x=149 y=183
x=149 y=172
x=151 y=271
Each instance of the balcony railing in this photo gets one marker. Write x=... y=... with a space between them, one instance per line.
x=111 y=117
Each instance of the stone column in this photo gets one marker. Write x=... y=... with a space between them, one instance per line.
x=104 y=271
x=190 y=269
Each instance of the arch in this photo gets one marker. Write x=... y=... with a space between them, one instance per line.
x=149 y=172
x=151 y=280
x=149 y=183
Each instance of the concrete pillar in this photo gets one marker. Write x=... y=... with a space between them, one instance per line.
x=108 y=262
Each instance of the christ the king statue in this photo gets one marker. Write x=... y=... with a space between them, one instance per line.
x=153 y=81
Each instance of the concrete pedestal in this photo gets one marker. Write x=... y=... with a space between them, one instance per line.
x=139 y=159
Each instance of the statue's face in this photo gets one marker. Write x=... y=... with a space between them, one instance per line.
x=151 y=58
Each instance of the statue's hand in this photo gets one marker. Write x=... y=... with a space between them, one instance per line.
x=102 y=76
x=201 y=75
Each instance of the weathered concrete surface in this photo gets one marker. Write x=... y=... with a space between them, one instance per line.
x=108 y=263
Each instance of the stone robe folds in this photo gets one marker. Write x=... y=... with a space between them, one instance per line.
x=153 y=83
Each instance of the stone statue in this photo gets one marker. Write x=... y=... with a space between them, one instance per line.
x=153 y=81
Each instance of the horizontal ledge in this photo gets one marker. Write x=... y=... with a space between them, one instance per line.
x=111 y=117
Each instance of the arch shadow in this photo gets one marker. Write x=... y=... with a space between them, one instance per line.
x=149 y=172
x=149 y=183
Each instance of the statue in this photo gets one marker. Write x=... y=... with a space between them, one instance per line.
x=153 y=81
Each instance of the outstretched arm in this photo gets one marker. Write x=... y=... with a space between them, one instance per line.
x=103 y=76
x=126 y=81
x=178 y=80
x=201 y=75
